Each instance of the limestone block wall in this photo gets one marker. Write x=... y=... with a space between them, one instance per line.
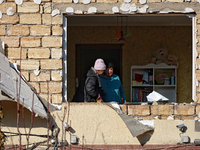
x=33 y=38
x=32 y=32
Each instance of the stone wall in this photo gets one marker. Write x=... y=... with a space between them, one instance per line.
x=163 y=111
x=32 y=32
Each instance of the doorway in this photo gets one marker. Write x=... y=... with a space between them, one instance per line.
x=86 y=54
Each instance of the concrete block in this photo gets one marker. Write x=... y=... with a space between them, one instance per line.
x=25 y=74
x=28 y=7
x=57 y=98
x=30 y=19
x=184 y=109
x=52 y=41
x=14 y=53
x=35 y=86
x=5 y=6
x=40 y=30
x=10 y=41
x=29 y=64
x=43 y=76
x=138 y=110
x=46 y=18
x=161 y=109
x=56 y=53
x=19 y=30
x=57 y=30
x=57 y=19
x=51 y=87
x=47 y=8
x=2 y=30
x=36 y=53
x=9 y=19
x=51 y=64
x=56 y=76
x=30 y=42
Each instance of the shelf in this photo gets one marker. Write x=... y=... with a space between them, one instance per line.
x=155 y=74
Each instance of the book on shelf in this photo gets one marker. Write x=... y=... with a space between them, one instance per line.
x=140 y=94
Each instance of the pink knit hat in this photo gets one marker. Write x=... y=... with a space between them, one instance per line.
x=99 y=64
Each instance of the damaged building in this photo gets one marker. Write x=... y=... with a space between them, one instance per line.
x=47 y=45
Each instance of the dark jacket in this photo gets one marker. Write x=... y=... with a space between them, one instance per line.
x=89 y=88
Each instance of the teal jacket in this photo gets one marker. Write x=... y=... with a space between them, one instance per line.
x=112 y=89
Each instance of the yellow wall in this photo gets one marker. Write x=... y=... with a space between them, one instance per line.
x=136 y=50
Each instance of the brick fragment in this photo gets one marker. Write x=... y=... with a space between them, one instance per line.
x=51 y=87
x=162 y=109
x=139 y=110
x=56 y=76
x=43 y=76
x=29 y=64
x=184 y=109
x=28 y=7
x=51 y=64
x=30 y=19
x=14 y=53
x=10 y=41
x=9 y=19
x=19 y=30
x=37 y=53
x=40 y=30
x=30 y=42
x=57 y=98
x=52 y=41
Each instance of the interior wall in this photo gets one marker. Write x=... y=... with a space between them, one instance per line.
x=136 y=50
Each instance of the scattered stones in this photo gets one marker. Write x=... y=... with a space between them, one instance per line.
x=115 y=9
x=86 y=1
x=92 y=10
x=78 y=12
x=70 y=10
x=188 y=10
x=38 y=1
x=36 y=72
x=1 y=15
x=127 y=1
x=142 y=2
x=75 y=1
x=143 y=9
x=125 y=7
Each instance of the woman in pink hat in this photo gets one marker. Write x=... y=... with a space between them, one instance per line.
x=90 y=86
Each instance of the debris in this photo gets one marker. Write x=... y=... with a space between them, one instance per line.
x=92 y=10
x=155 y=96
x=10 y=11
x=142 y=2
x=133 y=8
x=127 y=1
x=70 y=10
x=170 y=118
x=55 y=12
x=38 y=1
x=19 y=2
x=75 y=1
x=188 y=10
x=115 y=9
x=125 y=7
x=86 y=1
x=143 y=9
x=36 y=72
x=78 y=12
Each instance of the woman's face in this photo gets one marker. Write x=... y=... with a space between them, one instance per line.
x=100 y=72
x=109 y=72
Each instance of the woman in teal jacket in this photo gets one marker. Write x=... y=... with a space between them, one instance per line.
x=112 y=89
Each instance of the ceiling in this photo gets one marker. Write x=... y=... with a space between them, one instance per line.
x=132 y=20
